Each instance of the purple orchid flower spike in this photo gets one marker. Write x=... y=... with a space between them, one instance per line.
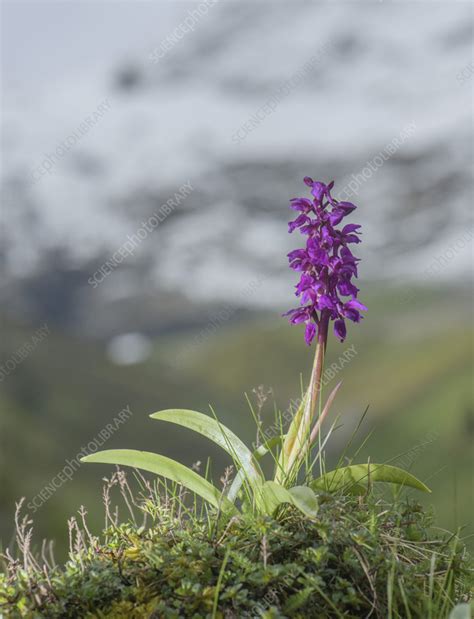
x=327 y=267
x=326 y=263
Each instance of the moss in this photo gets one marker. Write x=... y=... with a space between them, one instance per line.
x=361 y=556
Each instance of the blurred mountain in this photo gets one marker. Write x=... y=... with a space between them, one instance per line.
x=374 y=70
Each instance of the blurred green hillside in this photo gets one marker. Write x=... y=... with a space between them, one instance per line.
x=412 y=367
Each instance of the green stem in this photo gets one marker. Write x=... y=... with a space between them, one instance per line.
x=297 y=441
x=315 y=384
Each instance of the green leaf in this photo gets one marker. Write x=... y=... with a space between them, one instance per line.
x=257 y=454
x=305 y=500
x=290 y=439
x=236 y=485
x=297 y=600
x=268 y=446
x=357 y=477
x=166 y=467
x=215 y=431
x=302 y=497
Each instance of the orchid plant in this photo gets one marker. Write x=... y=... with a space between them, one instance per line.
x=327 y=294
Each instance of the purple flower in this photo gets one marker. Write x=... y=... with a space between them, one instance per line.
x=340 y=330
x=310 y=332
x=301 y=204
x=298 y=222
x=326 y=263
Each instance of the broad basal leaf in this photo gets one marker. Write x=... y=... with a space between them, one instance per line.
x=166 y=467
x=302 y=497
x=257 y=454
x=357 y=477
x=217 y=433
x=305 y=500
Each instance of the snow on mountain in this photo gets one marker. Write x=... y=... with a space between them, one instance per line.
x=345 y=81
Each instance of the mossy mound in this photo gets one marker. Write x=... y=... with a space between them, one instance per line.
x=362 y=557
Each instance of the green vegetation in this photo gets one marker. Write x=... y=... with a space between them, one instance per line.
x=249 y=486
x=177 y=558
x=416 y=379
x=298 y=527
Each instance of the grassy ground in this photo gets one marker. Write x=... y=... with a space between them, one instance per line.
x=360 y=557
